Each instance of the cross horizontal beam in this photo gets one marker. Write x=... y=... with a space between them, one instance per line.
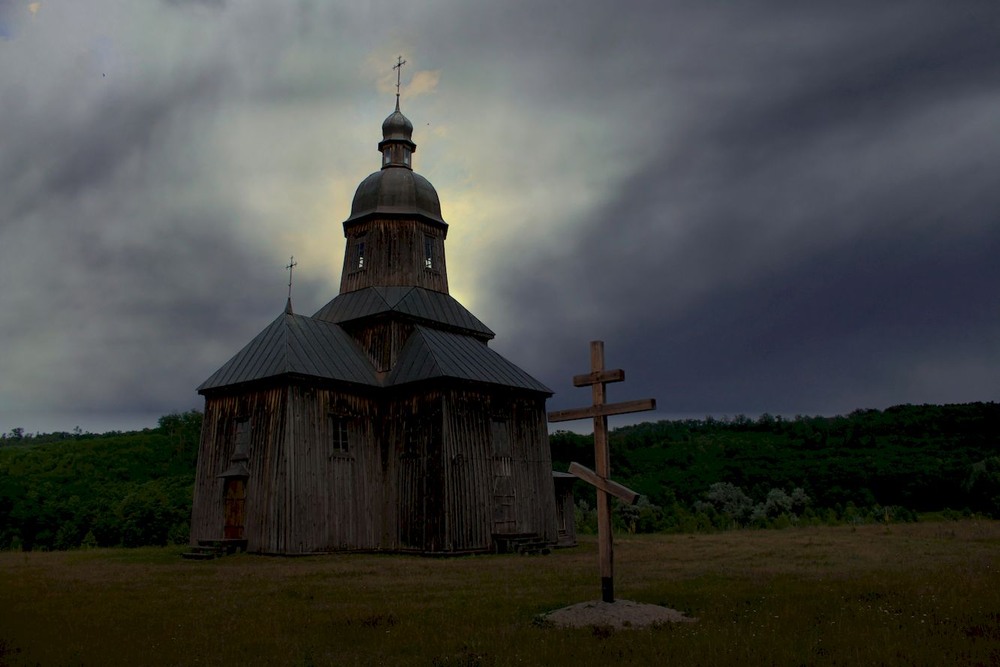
x=614 y=488
x=597 y=377
x=603 y=410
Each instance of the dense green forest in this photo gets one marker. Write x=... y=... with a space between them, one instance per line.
x=871 y=464
x=64 y=490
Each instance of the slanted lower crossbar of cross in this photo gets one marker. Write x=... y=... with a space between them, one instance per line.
x=599 y=411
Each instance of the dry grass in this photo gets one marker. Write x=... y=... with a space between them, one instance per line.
x=923 y=594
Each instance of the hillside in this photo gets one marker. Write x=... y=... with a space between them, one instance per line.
x=60 y=491
x=910 y=458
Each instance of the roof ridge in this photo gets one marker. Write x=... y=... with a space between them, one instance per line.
x=423 y=331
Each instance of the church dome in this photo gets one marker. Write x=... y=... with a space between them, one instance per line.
x=397 y=126
x=396 y=191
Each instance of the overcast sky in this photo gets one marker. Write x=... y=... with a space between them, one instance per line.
x=761 y=207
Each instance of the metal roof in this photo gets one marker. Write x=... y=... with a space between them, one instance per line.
x=417 y=302
x=312 y=347
x=396 y=190
x=432 y=353
x=295 y=344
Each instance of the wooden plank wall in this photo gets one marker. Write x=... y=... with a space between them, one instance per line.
x=382 y=339
x=468 y=460
x=265 y=408
x=474 y=468
x=413 y=494
x=420 y=474
x=535 y=492
x=333 y=496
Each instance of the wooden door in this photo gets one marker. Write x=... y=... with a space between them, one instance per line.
x=412 y=490
x=504 y=508
x=504 y=511
x=235 y=509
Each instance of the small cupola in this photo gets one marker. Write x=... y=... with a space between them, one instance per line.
x=397 y=143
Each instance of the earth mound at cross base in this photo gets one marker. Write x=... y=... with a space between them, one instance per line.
x=617 y=614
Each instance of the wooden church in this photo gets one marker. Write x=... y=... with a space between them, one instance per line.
x=384 y=421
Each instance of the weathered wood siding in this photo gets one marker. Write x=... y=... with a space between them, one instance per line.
x=332 y=496
x=302 y=496
x=265 y=410
x=414 y=494
x=394 y=254
x=482 y=475
x=429 y=471
x=470 y=471
x=382 y=339
x=565 y=511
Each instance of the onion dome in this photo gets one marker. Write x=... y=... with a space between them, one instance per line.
x=396 y=126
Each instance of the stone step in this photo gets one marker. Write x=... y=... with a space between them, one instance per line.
x=529 y=544
x=200 y=552
x=209 y=549
x=533 y=549
x=225 y=546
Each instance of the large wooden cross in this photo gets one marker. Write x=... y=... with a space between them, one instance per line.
x=596 y=379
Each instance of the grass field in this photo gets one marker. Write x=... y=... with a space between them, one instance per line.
x=920 y=594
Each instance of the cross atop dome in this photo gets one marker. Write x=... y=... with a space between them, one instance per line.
x=397 y=145
x=399 y=68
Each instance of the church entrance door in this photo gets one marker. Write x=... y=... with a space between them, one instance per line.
x=504 y=510
x=235 y=508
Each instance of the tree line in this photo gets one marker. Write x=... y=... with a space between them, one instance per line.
x=870 y=464
x=66 y=490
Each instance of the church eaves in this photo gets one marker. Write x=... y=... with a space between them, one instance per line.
x=415 y=302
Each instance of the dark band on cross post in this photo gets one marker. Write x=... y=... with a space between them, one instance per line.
x=599 y=411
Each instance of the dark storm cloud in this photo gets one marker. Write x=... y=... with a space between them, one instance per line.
x=809 y=242
x=129 y=283
x=780 y=206
x=59 y=157
x=219 y=4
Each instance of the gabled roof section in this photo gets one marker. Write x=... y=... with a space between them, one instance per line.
x=416 y=302
x=296 y=345
x=431 y=353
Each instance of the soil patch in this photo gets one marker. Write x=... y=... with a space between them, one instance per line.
x=617 y=614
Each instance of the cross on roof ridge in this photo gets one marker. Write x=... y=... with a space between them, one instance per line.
x=291 y=266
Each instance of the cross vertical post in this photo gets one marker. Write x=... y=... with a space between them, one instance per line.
x=291 y=266
x=599 y=411
x=602 y=462
x=399 y=69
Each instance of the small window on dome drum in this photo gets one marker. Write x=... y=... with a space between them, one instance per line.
x=429 y=252
x=359 y=255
